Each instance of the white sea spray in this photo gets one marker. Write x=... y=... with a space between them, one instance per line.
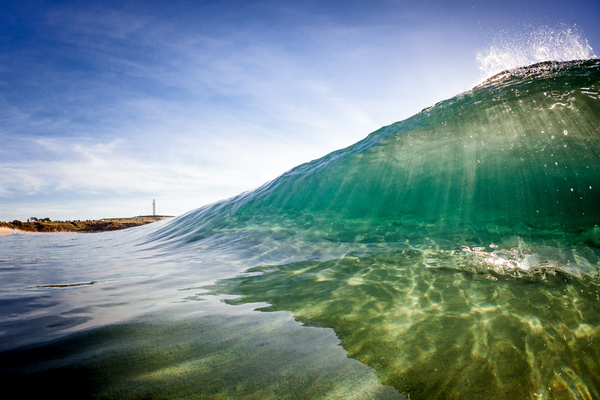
x=541 y=44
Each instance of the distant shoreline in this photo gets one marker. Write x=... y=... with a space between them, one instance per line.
x=89 y=226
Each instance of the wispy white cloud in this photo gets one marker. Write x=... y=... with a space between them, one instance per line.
x=162 y=109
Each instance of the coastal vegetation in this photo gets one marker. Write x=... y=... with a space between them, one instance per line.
x=34 y=224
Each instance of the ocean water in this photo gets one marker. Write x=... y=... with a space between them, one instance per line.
x=452 y=255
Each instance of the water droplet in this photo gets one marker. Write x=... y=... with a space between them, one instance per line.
x=556 y=163
x=571 y=189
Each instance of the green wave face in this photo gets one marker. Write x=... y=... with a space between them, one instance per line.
x=455 y=252
x=512 y=165
x=520 y=152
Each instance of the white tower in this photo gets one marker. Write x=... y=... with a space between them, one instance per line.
x=154 y=208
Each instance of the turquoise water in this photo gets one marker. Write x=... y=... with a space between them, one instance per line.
x=451 y=255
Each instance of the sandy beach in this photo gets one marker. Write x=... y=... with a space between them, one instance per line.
x=8 y=231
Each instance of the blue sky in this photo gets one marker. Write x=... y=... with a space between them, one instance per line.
x=109 y=105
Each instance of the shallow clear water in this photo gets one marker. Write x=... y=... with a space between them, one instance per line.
x=106 y=316
x=451 y=255
x=440 y=332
